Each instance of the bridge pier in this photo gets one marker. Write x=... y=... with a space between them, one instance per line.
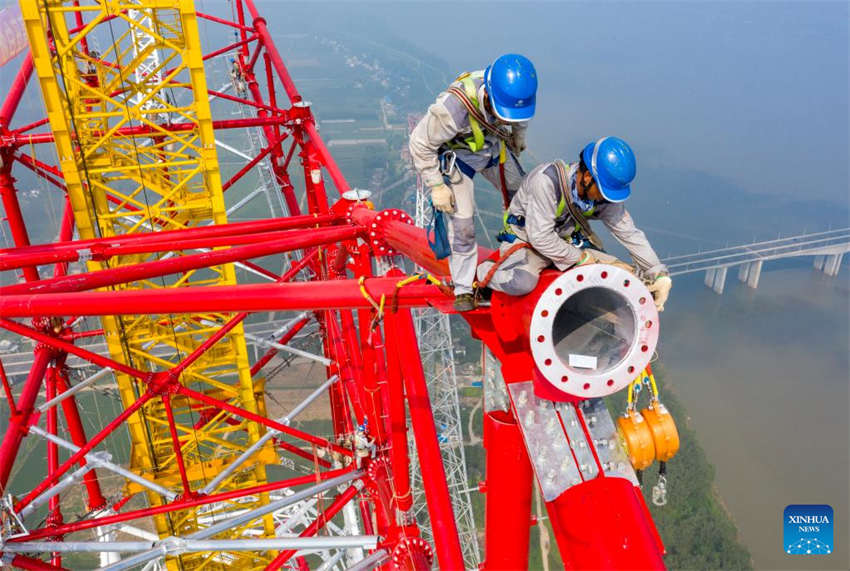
x=753 y=274
x=715 y=278
x=832 y=264
x=819 y=260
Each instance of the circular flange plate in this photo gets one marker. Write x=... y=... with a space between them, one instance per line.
x=589 y=382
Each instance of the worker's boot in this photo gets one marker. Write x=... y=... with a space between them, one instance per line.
x=465 y=302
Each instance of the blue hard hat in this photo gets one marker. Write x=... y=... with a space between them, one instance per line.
x=512 y=84
x=612 y=164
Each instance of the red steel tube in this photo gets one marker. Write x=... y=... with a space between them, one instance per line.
x=509 y=485
x=182 y=504
x=175 y=443
x=54 y=514
x=248 y=415
x=287 y=337
x=13 y=410
x=399 y=454
x=19 y=422
x=85 y=449
x=291 y=91
x=255 y=297
x=24 y=562
x=604 y=524
x=69 y=251
x=282 y=117
x=447 y=544
x=14 y=217
x=56 y=343
x=78 y=436
x=66 y=255
x=147 y=270
x=15 y=93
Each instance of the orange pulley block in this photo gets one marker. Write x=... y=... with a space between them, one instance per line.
x=637 y=438
x=663 y=429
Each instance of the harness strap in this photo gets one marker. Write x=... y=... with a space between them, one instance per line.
x=502 y=179
x=492 y=271
x=577 y=215
x=475 y=114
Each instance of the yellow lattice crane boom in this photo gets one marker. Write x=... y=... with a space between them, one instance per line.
x=128 y=171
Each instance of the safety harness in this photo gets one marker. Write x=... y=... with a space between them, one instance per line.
x=581 y=233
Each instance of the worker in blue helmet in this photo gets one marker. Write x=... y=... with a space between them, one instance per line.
x=477 y=125
x=552 y=210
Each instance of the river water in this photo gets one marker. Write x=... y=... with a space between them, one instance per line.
x=764 y=376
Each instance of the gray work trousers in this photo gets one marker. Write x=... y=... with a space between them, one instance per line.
x=461 y=226
x=519 y=273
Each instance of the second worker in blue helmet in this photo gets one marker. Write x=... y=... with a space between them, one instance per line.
x=551 y=214
x=477 y=125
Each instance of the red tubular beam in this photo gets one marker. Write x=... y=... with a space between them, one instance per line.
x=248 y=415
x=162 y=246
x=70 y=251
x=16 y=327
x=605 y=524
x=24 y=562
x=226 y=49
x=8 y=390
x=54 y=514
x=251 y=164
x=508 y=503
x=80 y=454
x=447 y=543
x=42 y=170
x=182 y=504
x=294 y=97
x=323 y=518
x=15 y=93
x=147 y=270
x=218 y=20
x=32 y=125
x=397 y=425
x=175 y=443
x=78 y=436
x=281 y=117
x=66 y=232
x=287 y=337
x=302 y=453
x=14 y=216
x=260 y=297
x=19 y=422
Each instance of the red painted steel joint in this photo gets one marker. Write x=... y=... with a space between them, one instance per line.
x=412 y=553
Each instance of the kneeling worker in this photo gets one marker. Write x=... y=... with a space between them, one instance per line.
x=548 y=222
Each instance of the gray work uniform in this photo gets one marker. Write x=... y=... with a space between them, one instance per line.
x=447 y=120
x=550 y=236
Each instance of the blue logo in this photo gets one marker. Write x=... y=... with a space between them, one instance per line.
x=808 y=530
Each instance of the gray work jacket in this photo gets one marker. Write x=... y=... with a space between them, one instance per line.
x=537 y=201
x=444 y=121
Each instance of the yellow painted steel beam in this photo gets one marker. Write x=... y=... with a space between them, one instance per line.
x=134 y=184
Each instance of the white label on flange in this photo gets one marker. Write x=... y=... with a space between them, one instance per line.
x=582 y=361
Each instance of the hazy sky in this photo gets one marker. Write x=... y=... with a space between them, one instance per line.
x=756 y=92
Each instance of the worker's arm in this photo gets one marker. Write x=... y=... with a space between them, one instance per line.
x=440 y=124
x=618 y=220
x=540 y=224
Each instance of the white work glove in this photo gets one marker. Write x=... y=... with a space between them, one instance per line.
x=660 y=290
x=586 y=258
x=443 y=198
x=517 y=143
